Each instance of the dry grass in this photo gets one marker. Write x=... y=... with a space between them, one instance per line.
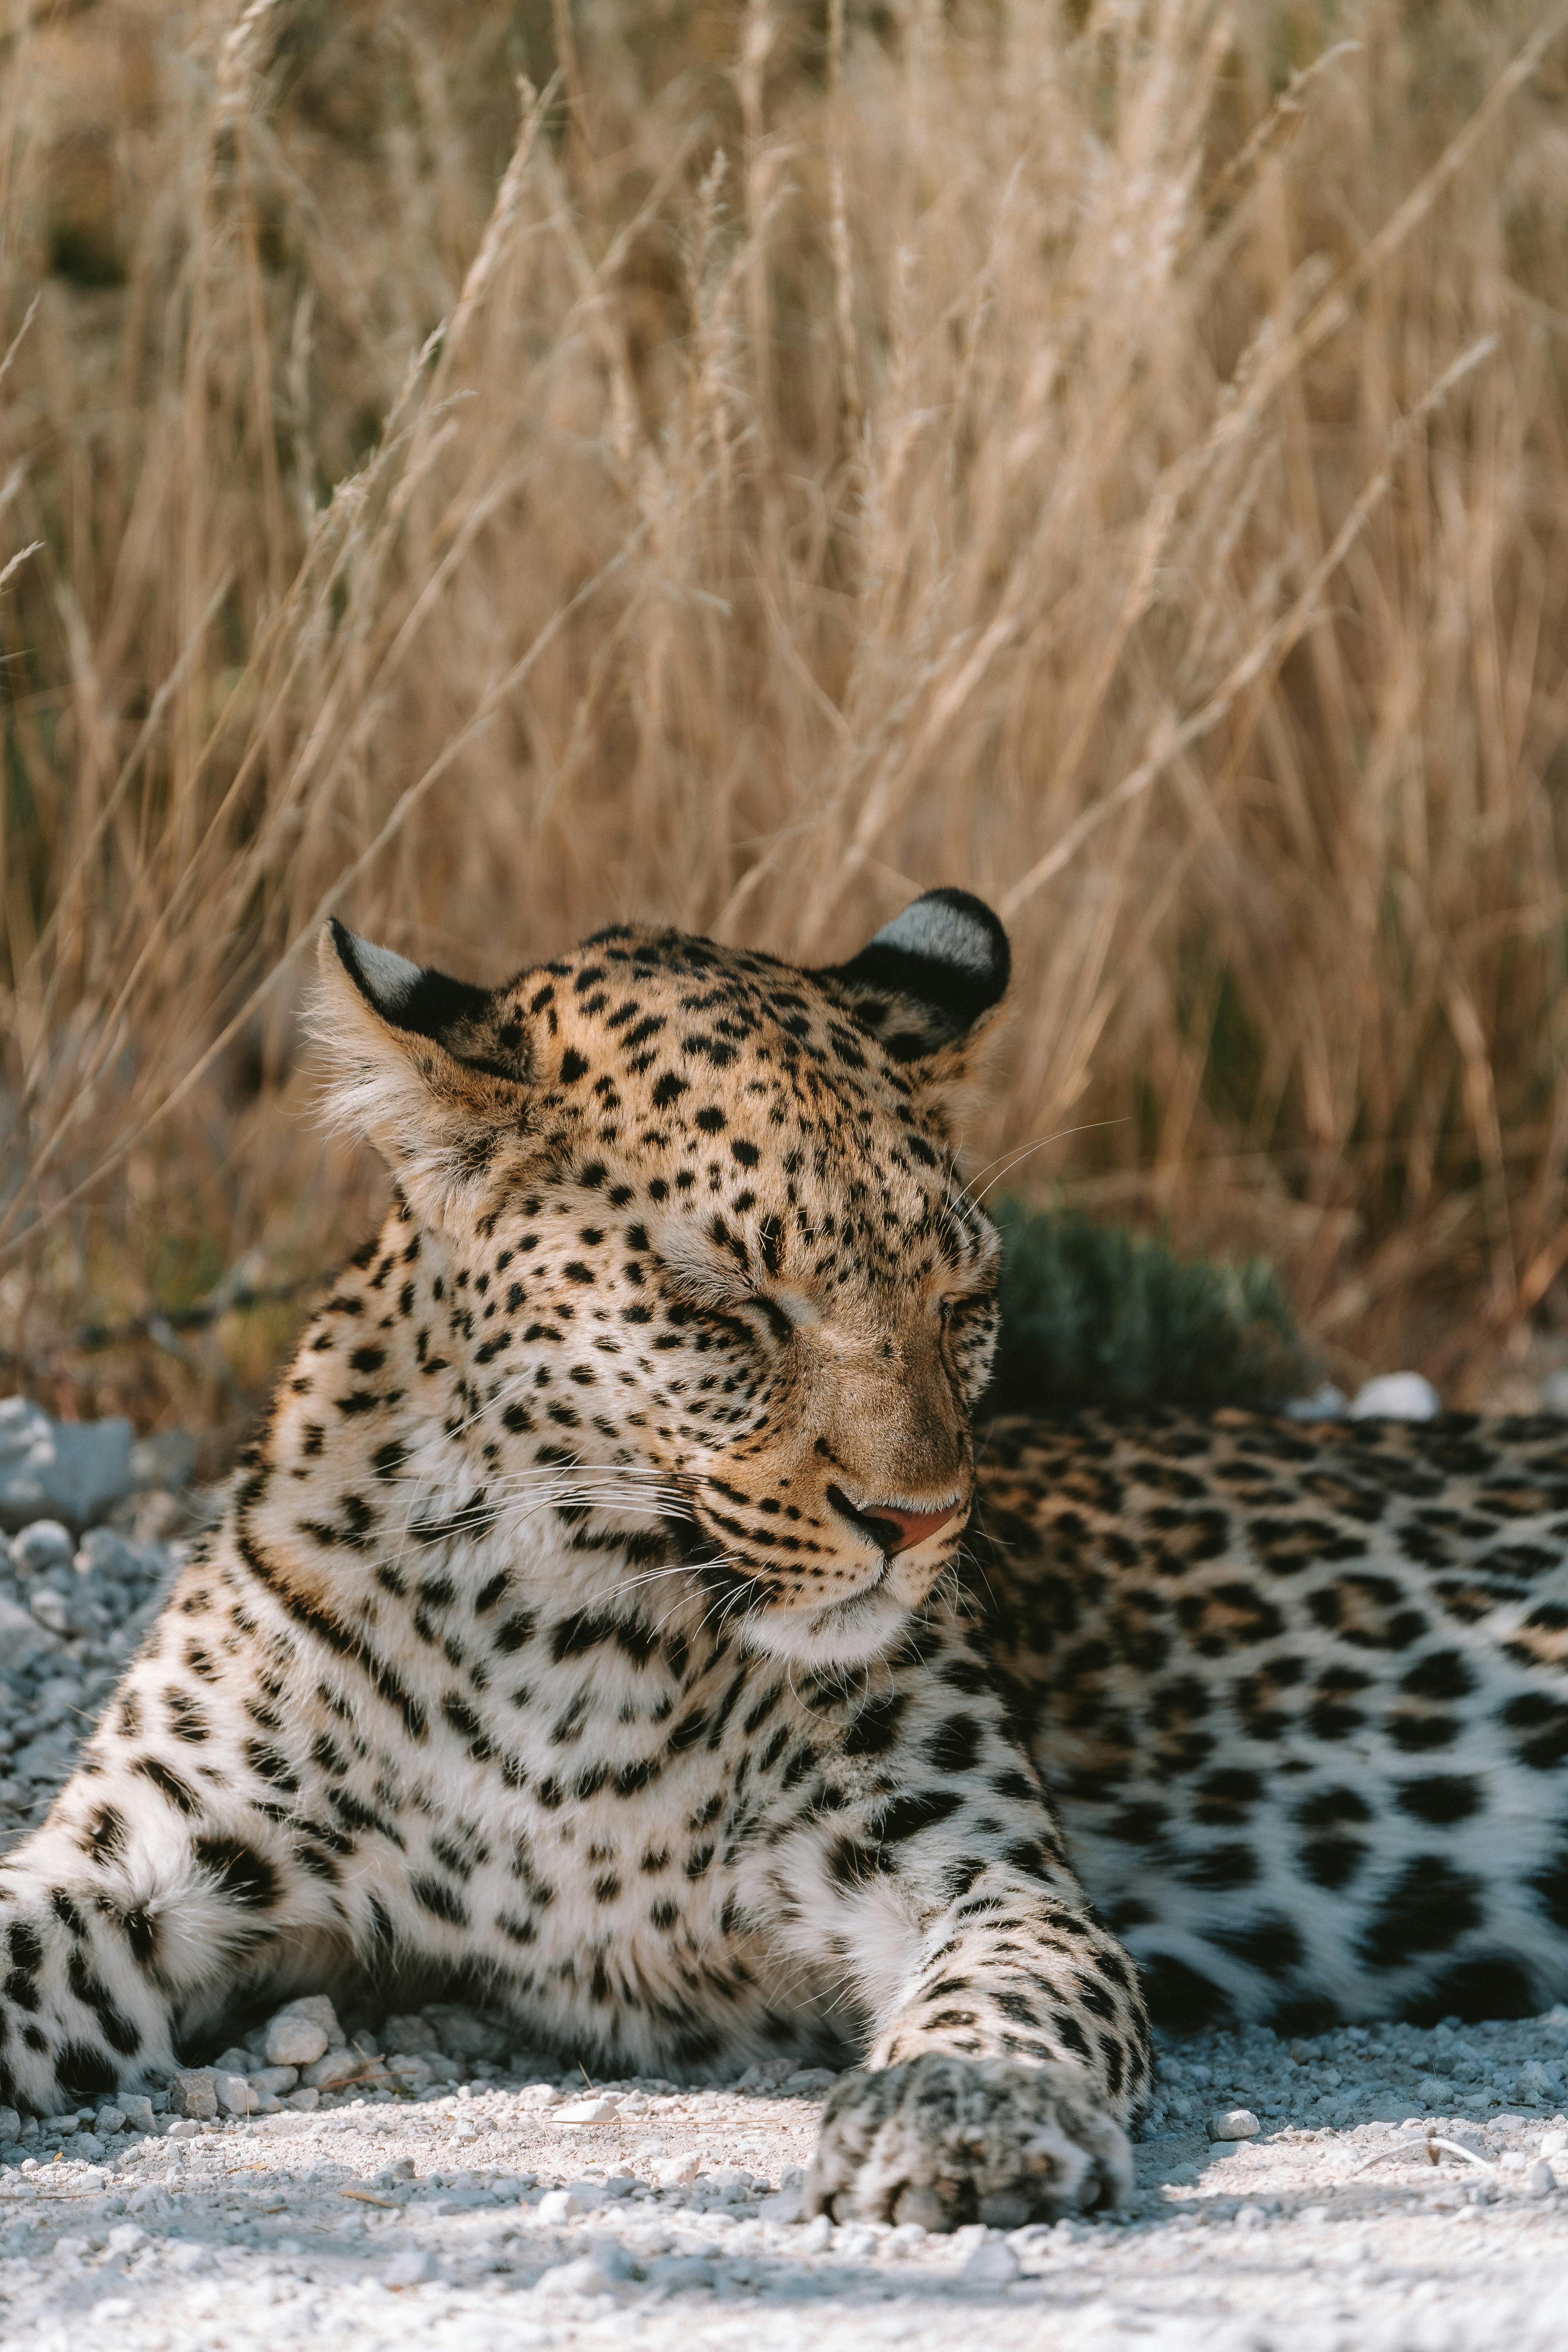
x=1048 y=450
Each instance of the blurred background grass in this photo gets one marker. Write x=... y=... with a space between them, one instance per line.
x=493 y=469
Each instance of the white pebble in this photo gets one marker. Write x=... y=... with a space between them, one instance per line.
x=1397 y=1396
x=411 y=2269
x=302 y=2032
x=1325 y=1404
x=992 y=2264
x=1234 y=2122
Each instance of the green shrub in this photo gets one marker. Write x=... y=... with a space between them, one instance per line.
x=1094 y=1315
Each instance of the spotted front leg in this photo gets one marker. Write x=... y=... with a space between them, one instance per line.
x=1006 y=2044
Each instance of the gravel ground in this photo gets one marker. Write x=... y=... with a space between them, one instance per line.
x=423 y=2180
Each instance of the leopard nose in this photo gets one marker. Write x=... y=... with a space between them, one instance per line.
x=909 y=1527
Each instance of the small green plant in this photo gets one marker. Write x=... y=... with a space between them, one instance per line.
x=1094 y=1315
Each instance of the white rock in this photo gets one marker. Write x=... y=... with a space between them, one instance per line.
x=1434 y=2090
x=125 y=2237
x=10 y=2125
x=185 y=2127
x=569 y=2204
x=233 y=2094
x=992 y=2264
x=598 y=2272
x=304 y=2100
x=1540 y=2180
x=52 y=1469
x=1234 y=2122
x=43 y=1546
x=1397 y=1396
x=1325 y=1404
x=677 y=2170
x=138 y=2112
x=337 y=2066
x=302 y=2032
x=601 y=2110
x=276 y=2079
x=411 y=2269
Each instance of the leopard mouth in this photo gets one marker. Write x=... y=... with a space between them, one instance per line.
x=883 y=1533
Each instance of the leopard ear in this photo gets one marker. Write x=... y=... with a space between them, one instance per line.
x=431 y=1070
x=929 y=979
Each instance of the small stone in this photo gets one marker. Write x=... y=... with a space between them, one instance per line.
x=337 y=2066
x=86 y=2148
x=415 y=2074
x=730 y=2181
x=194 y=2092
x=71 y=1471
x=992 y=2264
x=676 y=2170
x=809 y=2082
x=1325 y=1404
x=167 y=1460
x=186 y=2127
x=560 y=2205
x=817 y=2236
x=22 y=1638
x=462 y=2033
x=402 y=2036
x=233 y=2094
x=10 y=2125
x=1435 y=2090
x=785 y=2207
x=302 y=2032
x=125 y=2237
x=52 y=1610
x=601 y=2110
x=276 y=2079
x=1234 y=2122
x=681 y=2274
x=304 y=2101
x=1397 y=1396
x=411 y=2269
x=42 y=1547
x=1539 y=2081
x=1539 y=2179
x=138 y=2112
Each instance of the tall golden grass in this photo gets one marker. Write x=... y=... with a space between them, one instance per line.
x=490 y=473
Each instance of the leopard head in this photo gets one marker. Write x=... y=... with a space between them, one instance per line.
x=700 y=1245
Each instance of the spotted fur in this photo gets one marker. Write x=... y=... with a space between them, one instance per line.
x=611 y=1617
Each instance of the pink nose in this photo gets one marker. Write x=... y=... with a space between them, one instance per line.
x=913 y=1527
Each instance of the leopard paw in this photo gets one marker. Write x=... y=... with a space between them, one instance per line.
x=944 y=2141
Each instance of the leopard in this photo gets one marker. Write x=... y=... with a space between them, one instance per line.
x=623 y=1614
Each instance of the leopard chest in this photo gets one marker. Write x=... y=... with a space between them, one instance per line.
x=588 y=1813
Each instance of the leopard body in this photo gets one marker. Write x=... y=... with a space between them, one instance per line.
x=612 y=1617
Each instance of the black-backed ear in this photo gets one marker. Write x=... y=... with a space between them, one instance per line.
x=431 y=1070
x=930 y=977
